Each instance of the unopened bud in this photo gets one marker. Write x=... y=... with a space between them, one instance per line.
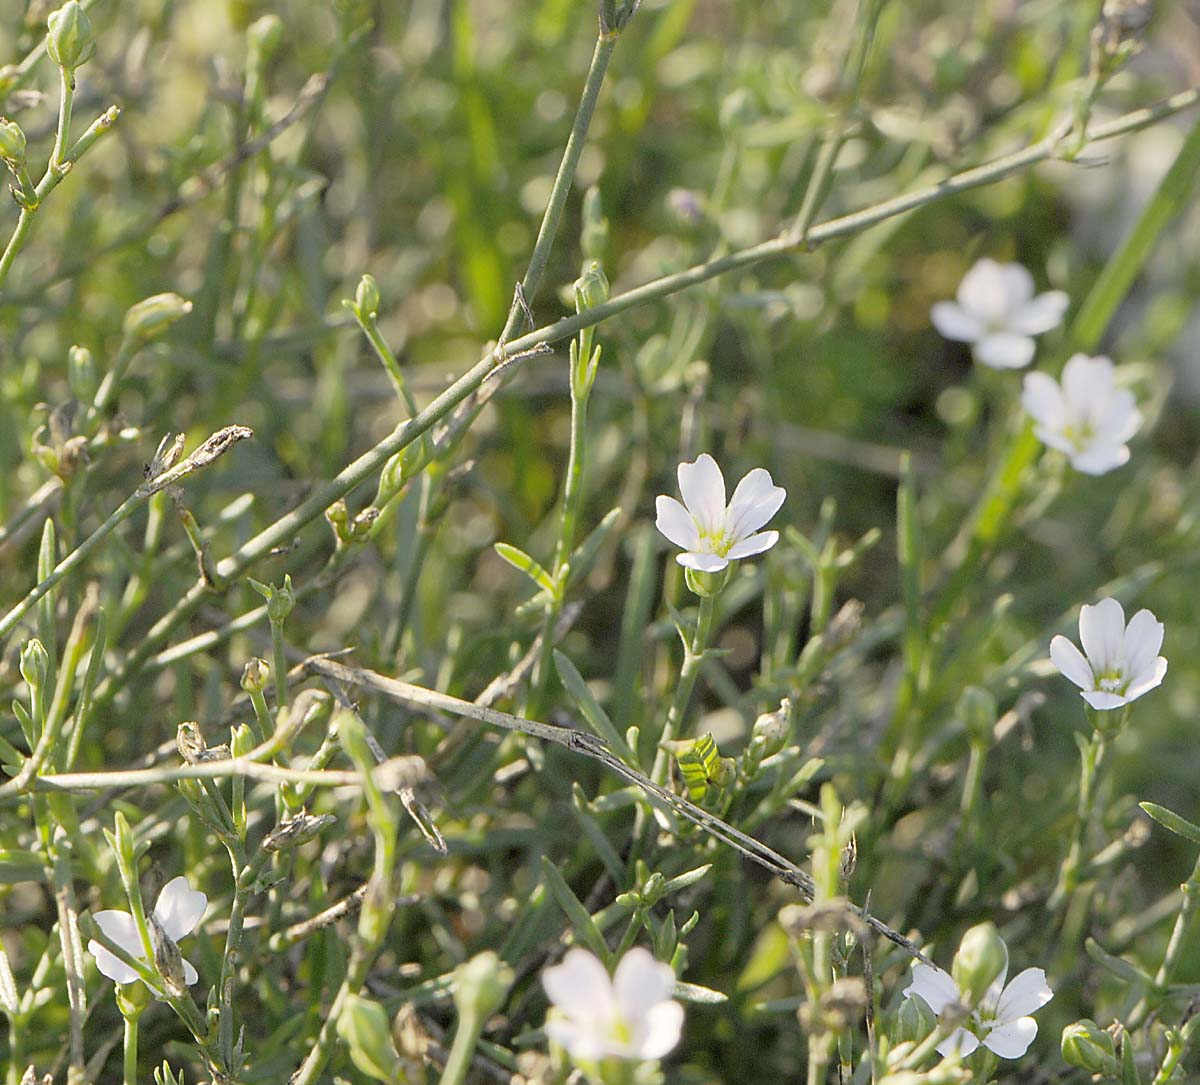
x=280 y=601
x=591 y=288
x=81 y=374
x=264 y=36
x=70 y=41
x=363 y=1027
x=652 y=891
x=1089 y=1047
x=35 y=663
x=366 y=297
x=12 y=142
x=771 y=729
x=982 y=956
x=154 y=315
x=481 y=985
x=256 y=675
x=977 y=710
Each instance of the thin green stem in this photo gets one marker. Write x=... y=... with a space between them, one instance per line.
x=129 y=1059
x=66 y=84
x=692 y=660
x=1091 y=760
x=605 y=43
x=466 y=1036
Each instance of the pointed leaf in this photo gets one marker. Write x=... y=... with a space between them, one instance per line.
x=518 y=559
x=585 y=927
x=693 y=992
x=596 y=717
x=1180 y=826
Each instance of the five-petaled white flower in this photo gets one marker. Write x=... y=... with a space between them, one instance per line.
x=631 y=1016
x=711 y=534
x=178 y=910
x=1122 y=661
x=1001 y=1022
x=1088 y=417
x=998 y=315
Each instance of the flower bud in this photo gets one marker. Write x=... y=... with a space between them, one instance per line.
x=363 y=1027
x=652 y=890
x=771 y=729
x=977 y=710
x=366 y=297
x=132 y=998
x=256 y=675
x=280 y=601
x=154 y=315
x=12 y=142
x=982 y=956
x=594 y=236
x=591 y=288
x=1089 y=1047
x=70 y=42
x=35 y=664
x=241 y=740
x=481 y=985
x=81 y=374
x=264 y=36
x=723 y=772
x=914 y=1021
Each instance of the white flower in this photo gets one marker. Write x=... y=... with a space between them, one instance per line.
x=178 y=910
x=1088 y=417
x=998 y=315
x=712 y=534
x=631 y=1016
x=1122 y=660
x=1001 y=1022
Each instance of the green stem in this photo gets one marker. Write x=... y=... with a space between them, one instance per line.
x=245 y=875
x=130 y=1050
x=1091 y=759
x=370 y=328
x=688 y=673
x=466 y=1036
x=66 y=84
x=605 y=43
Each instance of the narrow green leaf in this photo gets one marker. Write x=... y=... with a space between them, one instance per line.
x=518 y=559
x=596 y=717
x=1180 y=826
x=681 y=881
x=10 y=1002
x=1129 y=1070
x=583 y=924
x=1118 y=966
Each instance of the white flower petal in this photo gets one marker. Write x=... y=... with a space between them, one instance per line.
x=640 y=982
x=112 y=967
x=755 y=544
x=1098 y=459
x=1044 y=312
x=960 y=1042
x=1027 y=993
x=583 y=1042
x=703 y=489
x=1017 y=286
x=933 y=986
x=190 y=975
x=675 y=523
x=120 y=927
x=1102 y=633
x=1005 y=350
x=659 y=1030
x=704 y=563
x=1087 y=381
x=1145 y=682
x=754 y=502
x=1011 y=1040
x=1043 y=400
x=955 y=323
x=179 y=908
x=1120 y=419
x=983 y=292
x=580 y=986
x=1070 y=661
x=1098 y=699
x=1143 y=639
